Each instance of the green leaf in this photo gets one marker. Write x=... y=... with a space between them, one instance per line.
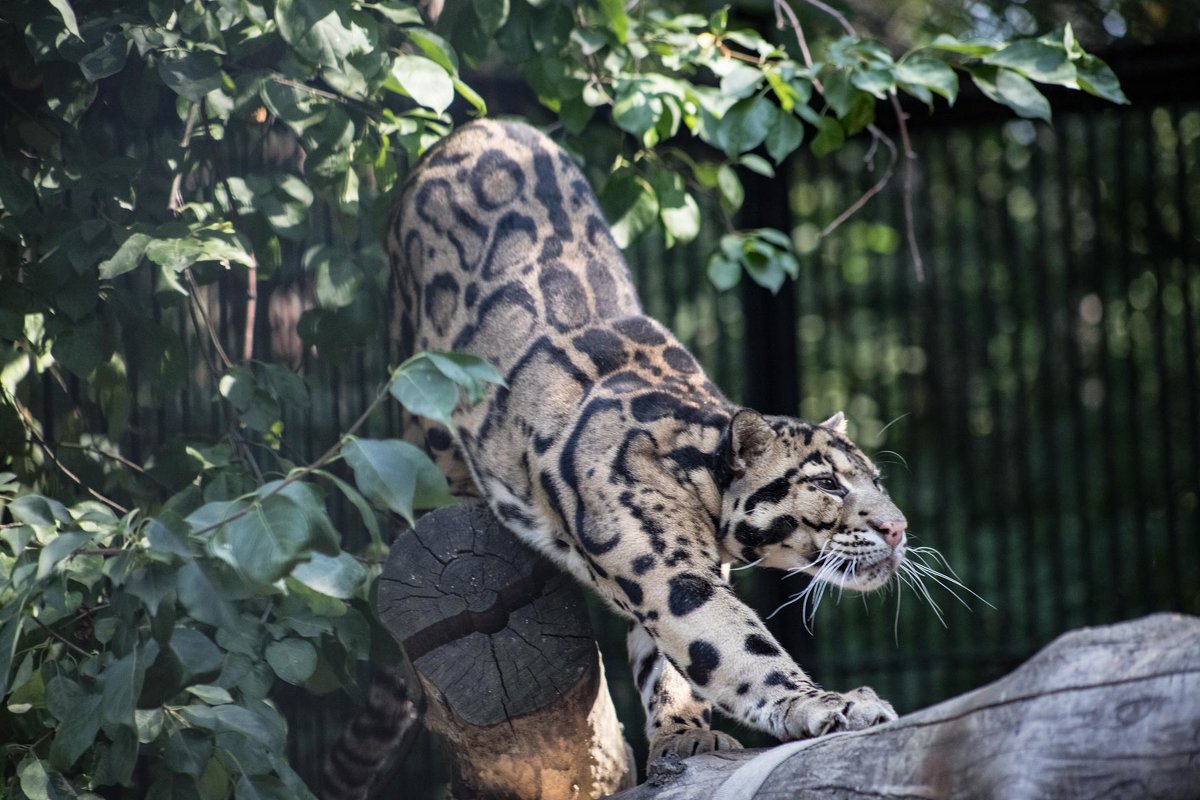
x=197 y=654
x=616 y=18
x=740 y=80
x=425 y=390
x=396 y=475
x=56 y=550
x=35 y=783
x=293 y=660
x=397 y=13
x=635 y=111
x=107 y=59
x=118 y=761
x=730 y=187
x=678 y=209
x=340 y=576
x=784 y=137
x=187 y=751
x=492 y=14
x=723 y=272
x=830 y=137
x=424 y=81
x=324 y=32
x=745 y=126
x=1013 y=90
x=839 y=92
x=34 y=509
x=190 y=74
x=471 y=96
x=930 y=73
x=878 y=82
x=358 y=501
x=120 y=686
x=262 y=787
x=630 y=205
x=339 y=279
x=231 y=719
x=255 y=406
x=149 y=723
x=10 y=634
x=203 y=597
x=1035 y=60
x=1095 y=77
x=268 y=540
x=470 y=372
x=212 y=695
x=77 y=728
x=285 y=384
x=152 y=584
x=976 y=48
x=63 y=7
x=127 y=257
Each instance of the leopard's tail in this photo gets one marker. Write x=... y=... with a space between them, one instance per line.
x=371 y=738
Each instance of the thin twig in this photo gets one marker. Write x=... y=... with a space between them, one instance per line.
x=909 y=180
x=62 y=639
x=853 y=208
x=175 y=203
x=324 y=459
x=196 y=306
x=784 y=9
x=208 y=326
x=833 y=12
x=252 y=268
x=31 y=426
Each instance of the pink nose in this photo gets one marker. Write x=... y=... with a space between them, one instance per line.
x=892 y=530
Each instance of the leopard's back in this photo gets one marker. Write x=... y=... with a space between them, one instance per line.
x=498 y=241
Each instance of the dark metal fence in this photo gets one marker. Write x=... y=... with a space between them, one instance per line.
x=1034 y=401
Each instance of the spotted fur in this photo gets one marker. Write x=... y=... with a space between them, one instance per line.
x=611 y=452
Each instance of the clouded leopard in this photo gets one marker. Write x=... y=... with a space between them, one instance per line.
x=609 y=451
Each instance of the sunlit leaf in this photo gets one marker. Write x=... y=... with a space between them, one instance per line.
x=396 y=475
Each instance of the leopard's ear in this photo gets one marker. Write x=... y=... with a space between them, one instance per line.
x=749 y=436
x=836 y=423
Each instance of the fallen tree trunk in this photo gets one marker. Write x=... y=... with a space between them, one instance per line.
x=500 y=641
x=1110 y=712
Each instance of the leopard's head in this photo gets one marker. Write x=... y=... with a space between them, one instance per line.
x=803 y=497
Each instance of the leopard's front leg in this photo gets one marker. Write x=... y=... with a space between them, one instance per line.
x=730 y=658
x=678 y=719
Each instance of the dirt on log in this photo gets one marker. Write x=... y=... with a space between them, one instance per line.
x=1106 y=712
x=501 y=643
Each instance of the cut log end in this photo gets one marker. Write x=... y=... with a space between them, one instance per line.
x=502 y=645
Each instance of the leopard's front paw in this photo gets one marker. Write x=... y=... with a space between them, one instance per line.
x=830 y=712
x=690 y=742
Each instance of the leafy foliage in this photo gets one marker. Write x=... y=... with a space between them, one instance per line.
x=162 y=154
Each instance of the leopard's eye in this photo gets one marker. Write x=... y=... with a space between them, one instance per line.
x=828 y=483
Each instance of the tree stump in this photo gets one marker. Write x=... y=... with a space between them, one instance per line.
x=501 y=643
x=1110 y=712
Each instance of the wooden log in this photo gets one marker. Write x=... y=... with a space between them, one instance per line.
x=1110 y=712
x=501 y=643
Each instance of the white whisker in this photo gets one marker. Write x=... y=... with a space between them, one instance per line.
x=893 y=422
x=747 y=566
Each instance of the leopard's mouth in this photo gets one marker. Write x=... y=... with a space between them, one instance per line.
x=855 y=570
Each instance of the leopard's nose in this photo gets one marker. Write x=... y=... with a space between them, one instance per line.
x=892 y=530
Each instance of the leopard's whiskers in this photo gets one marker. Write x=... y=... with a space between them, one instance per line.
x=948 y=582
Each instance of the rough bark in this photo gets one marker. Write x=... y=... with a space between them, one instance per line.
x=1110 y=712
x=502 y=646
